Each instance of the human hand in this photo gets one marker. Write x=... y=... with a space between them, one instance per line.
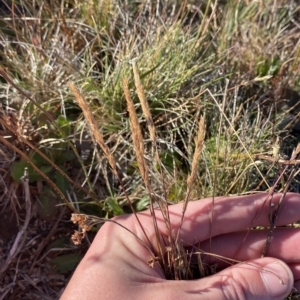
x=115 y=266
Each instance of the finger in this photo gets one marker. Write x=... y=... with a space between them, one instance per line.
x=230 y=214
x=283 y=245
x=296 y=270
x=264 y=278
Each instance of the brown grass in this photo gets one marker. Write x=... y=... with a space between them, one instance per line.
x=42 y=52
x=137 y=137
x=100 y=141
x=93 y=126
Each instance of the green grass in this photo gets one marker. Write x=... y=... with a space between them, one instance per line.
x=227 y=62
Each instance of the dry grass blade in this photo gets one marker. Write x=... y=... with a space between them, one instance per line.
x=38 y=171
x=21 y=236
x=144 y=102
x=236 y=134
x=163 y=205
x=233 y=261
x=191 y=178
x=274 y=213
x=137 y=136
x=100 y=140
x=6 y=124
x=49 y=116
x=93 y=126
x=138 y=144
x=175 y=44
x=198 y=149
x=146 y=111
x=217 y=158
x=46 y=240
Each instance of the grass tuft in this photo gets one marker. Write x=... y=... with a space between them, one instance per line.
x=118 y=106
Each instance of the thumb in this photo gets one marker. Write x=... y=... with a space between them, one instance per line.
x=264 y=278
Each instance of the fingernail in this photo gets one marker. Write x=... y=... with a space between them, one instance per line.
x=276 y=277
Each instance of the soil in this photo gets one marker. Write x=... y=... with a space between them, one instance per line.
x=41 y=266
